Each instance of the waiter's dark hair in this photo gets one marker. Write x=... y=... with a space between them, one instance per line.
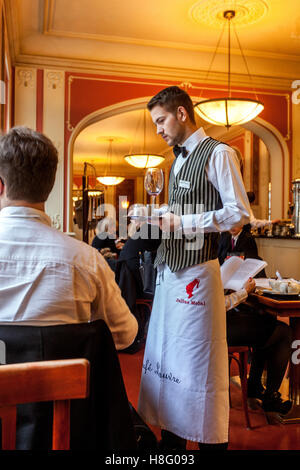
x=28 y=163
x=172 y=97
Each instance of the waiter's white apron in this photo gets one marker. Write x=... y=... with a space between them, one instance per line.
x=184 y=383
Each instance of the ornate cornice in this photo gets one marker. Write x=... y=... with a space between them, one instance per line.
x=153 y=72
x=13 y=31
x=25 y=77
x=284 y=65
x=247 y=12
x=54 y=79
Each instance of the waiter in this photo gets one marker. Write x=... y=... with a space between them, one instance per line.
x=184 y=384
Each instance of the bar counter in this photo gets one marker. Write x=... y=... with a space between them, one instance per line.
x=281 y=253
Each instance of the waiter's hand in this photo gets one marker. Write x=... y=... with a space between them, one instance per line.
x=170 y=222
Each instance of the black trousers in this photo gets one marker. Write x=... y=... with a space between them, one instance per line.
x=269 y=339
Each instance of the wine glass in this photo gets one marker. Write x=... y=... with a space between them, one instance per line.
x=154 y=183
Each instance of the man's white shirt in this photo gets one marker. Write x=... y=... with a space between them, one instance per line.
x=48 y=278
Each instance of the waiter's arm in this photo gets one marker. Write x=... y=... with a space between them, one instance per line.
x=224 y=173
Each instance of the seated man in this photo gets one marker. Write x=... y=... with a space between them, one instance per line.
x=237 y=241
x=129 y=279
x=106 y=236
x=48 y=277
x=137 y=244
x=270 y=341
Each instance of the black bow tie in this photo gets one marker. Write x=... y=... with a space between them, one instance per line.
x=180 y=150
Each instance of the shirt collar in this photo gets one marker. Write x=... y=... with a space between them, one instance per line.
x=26 y=213
x=194 y=139
x=235 y=237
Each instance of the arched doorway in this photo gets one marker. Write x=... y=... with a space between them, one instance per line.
x=279 y=168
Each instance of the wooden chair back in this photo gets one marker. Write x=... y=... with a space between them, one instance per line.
x=58 y=381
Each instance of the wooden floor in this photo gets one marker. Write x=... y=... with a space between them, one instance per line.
x=262 y=436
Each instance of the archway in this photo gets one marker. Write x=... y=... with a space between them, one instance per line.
x=99 y=115
x=279 y=168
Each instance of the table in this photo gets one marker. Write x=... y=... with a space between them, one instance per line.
x=291 y=309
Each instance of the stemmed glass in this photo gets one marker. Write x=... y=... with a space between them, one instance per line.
x=154 y=183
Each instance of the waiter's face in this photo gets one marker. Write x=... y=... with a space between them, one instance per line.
x=170 y=126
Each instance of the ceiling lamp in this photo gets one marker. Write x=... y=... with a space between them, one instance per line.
x=108 y=180
x=140 y=160
x=229 y=111
x=144 y=159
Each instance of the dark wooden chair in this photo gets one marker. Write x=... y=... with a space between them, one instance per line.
x=102 y=422
x=59 y=381
x=240 y=355
x=147 y=303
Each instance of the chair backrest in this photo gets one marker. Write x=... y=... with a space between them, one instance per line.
x=101 y=422
x=58 y=381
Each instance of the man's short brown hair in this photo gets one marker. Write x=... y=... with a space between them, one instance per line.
x=172 y=97
x=28 y=163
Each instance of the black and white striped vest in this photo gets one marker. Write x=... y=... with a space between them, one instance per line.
x=190 y=193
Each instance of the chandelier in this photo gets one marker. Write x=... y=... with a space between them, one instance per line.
x=108 y=180
x=229 y=111
x=144 y=159
x=140 y=160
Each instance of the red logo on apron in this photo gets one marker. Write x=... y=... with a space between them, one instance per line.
x=191 y=286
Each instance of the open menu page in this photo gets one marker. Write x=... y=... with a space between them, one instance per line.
x=235 y=271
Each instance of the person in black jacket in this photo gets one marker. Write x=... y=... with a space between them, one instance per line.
x=269 y=338
x=238 y=241
x=139 y=243
x=128 y=276
x=270 y=341
x=106 y=236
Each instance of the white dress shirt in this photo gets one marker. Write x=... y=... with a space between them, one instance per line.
x=235 y=298
x=235 y=238
x=258 y=223
x=48 y=278
x=223 y=172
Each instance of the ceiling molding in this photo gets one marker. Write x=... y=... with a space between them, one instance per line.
x=170 y=45
x=48 y=15
x=13 y=28
x=154 y=72
x=287 y=70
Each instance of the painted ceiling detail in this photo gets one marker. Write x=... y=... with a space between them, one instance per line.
x=210 y=12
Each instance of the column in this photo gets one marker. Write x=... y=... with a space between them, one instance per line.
x=53 y=127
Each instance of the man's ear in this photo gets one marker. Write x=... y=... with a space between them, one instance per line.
x=1 y=187
x=182 y=114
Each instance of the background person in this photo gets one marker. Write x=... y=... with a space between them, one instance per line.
x=237 y=241
x=270 y=340
x=106 y=236
x=128 y=276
